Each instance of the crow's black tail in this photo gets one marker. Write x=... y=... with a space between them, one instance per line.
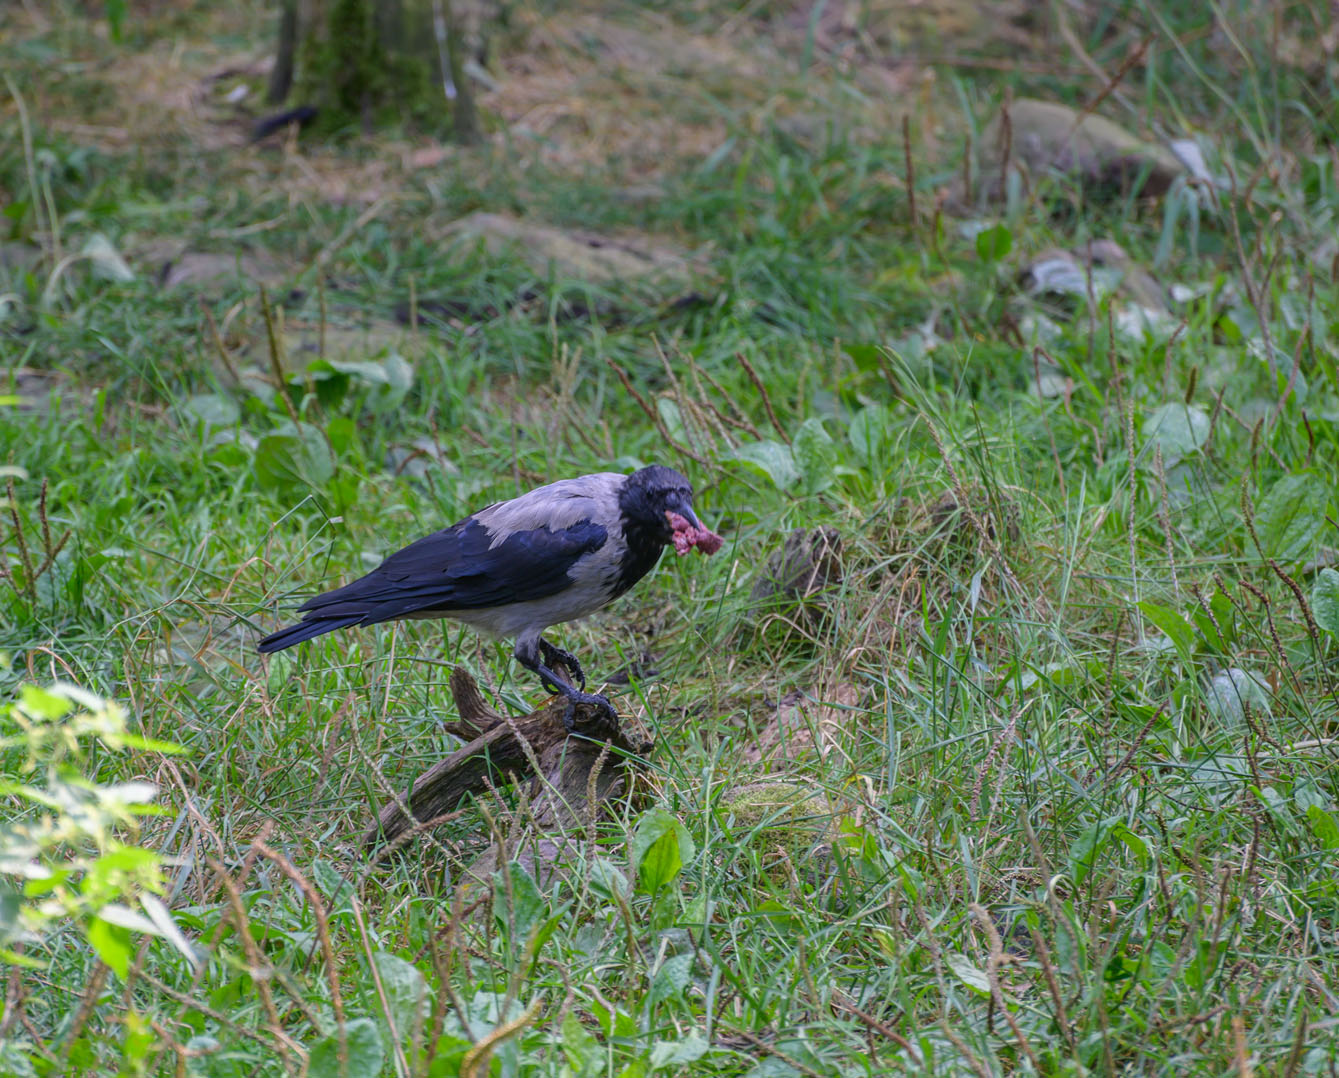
x=305 y=630
x=302 y=116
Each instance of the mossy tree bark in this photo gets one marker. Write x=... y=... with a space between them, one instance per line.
x=466 y=119
x=375 y=64
x=285 y=54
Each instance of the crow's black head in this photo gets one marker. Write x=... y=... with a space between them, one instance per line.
x=652 y=493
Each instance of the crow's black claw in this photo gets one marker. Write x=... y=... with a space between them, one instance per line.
x=554 y=684
x=608 y=719
x=554 y=656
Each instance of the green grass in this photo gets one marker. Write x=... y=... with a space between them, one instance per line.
x=1028 y=819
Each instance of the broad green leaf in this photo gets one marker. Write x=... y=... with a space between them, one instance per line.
x=668 y=410
x=399 y=373
x=1291 y=516
x=386 y=381
x=1177 y=429
x=115 y=10
x=1221 y=607
x=580 y=1046
x=780 y=918
x=866 y=357
x=106 y=260
x=526 y=905
x=41 y=879
x=1323 y=826
x=815 y=454
x=1133 y=842
x=1208 y=630
x=1072 y=945
x=868 y=432
x=994 y=243
x=966 y=971
x=613 y=1022
x=1179 y=631
x=150 y=744
x=366 y=1053
x=678 y=1054
x=1119 y=967
x=112 y=944
x=166 y=925
x=85 y=1054
x=13 y=958
x=1085 y=849
x=233 y=448
x=39 y=703
x=659 y=848
x=671 y=978
x=10 y=904
x=342 y=432
x=660 y=863
x=1232 y=691
x=137 y=1044
x=367 y=372
x=213 y=409
x=331 y=386
x=606 y=879
x=407 y=994
x=336 y=887
x=1053 y=674
x=1307 y=793
x=124 y=917
x=450 y=1053
x=772 y=460
x=1325 y=601
x=289 y=459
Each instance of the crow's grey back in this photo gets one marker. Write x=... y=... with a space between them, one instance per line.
x=556 y=506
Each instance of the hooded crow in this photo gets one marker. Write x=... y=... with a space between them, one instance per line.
x=556 y=553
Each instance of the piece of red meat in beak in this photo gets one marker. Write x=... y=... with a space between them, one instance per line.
x=689 y=533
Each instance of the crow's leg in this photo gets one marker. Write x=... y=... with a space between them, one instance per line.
x=553 y=656
x=528 y=655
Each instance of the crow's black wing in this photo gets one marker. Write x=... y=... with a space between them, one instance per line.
x=457 y=568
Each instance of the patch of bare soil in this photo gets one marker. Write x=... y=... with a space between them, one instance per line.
x=633 y=94
x=617 y=89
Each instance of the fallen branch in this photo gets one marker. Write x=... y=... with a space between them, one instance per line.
x=573 y=774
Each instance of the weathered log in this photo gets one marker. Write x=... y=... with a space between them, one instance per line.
x=573 y=775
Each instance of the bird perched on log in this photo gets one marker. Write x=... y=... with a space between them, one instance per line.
x=554 y=554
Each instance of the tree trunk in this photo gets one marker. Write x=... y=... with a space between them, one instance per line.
x=466 y=120
x=281 y=75
x=374 y=64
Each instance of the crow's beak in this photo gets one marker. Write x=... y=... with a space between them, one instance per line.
x=685 y=510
